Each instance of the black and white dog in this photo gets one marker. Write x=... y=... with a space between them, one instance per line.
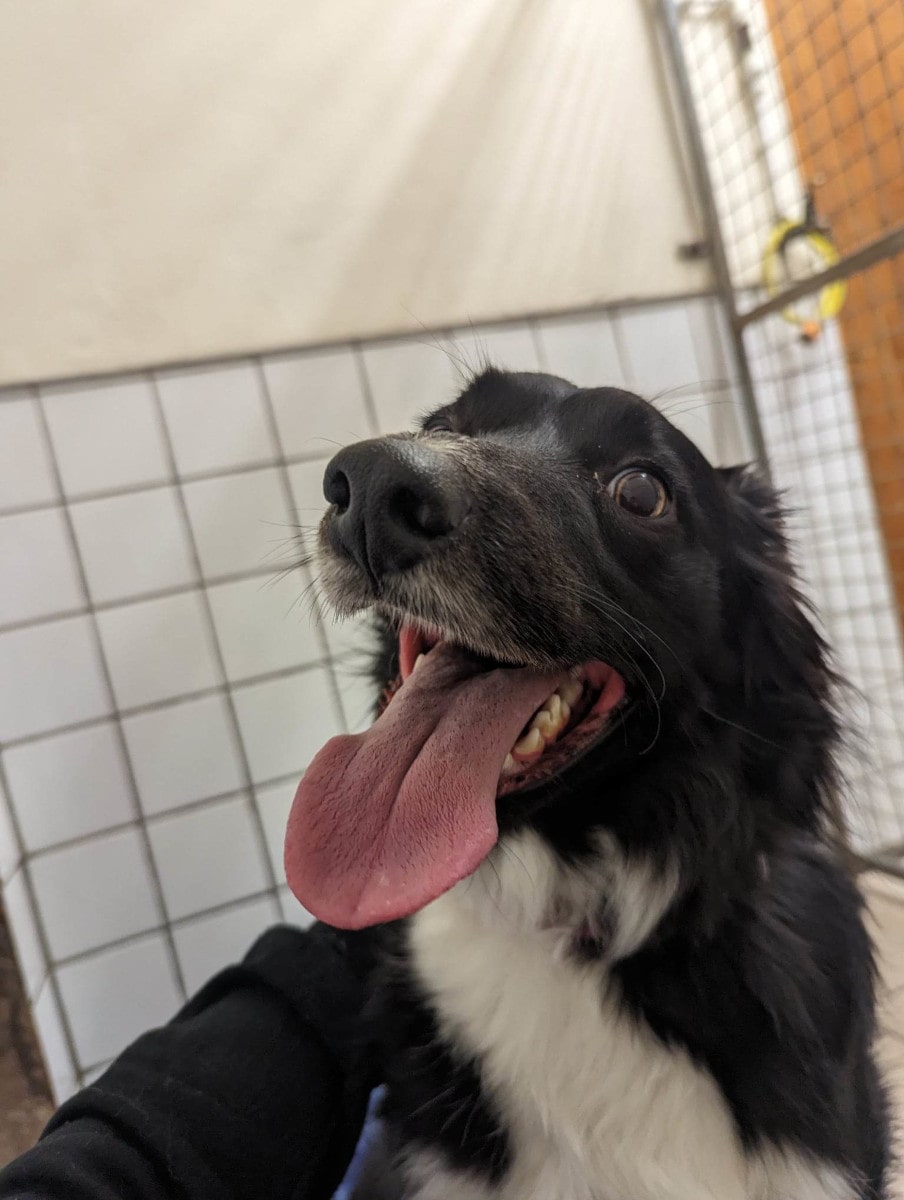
x=624 y=963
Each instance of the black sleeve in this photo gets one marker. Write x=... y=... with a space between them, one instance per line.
x=256 y=1091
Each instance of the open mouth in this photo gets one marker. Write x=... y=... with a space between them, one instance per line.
x=387 y=820
x=571 y=719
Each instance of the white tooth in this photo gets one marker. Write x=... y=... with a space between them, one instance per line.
x=570 y=691
x=553 y=706
x=566 y=713
x=530 y=743
x=417 y=662
x=509 y=765
x=545 y=724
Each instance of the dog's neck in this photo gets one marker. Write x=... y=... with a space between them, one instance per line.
x=605 y=908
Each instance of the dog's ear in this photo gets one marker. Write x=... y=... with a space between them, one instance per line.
x=762 y=591
x=757 y=506
x=785 y=663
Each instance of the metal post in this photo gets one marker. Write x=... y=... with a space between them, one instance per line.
x=706 y=199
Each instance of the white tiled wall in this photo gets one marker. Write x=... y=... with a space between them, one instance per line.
x=165 y=676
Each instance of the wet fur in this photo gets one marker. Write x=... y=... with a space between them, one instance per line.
x=681 y=872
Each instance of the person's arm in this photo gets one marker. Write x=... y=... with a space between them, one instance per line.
x=256 y=1091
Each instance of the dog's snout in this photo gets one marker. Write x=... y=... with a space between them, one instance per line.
x=396 y=501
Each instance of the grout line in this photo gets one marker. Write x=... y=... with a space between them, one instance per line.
x=166 y=702
x=228 y=696
x=7 y=391
x=154 y=818
x=51 y=980
x=621 y=349
x=165 y=928
x=158 y=485
x=370 y=404
x=78 y=498
x=289 y=497
x=89 y=1070
x=177 y=589
x=539 y=348
x=62 y=614
x=116 y=715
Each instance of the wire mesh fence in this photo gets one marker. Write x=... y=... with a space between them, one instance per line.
x=796 y=108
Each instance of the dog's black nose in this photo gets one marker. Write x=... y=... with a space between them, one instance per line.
x=396 y=501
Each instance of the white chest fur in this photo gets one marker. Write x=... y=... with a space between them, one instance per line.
x=595 y=1106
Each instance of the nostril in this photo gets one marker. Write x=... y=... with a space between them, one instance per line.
x=391 y=504
x=337 y=489
x=422 y=515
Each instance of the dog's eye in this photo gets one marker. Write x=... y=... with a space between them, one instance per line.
x=639 y=492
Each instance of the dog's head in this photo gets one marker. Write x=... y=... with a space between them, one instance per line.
x=567 y=588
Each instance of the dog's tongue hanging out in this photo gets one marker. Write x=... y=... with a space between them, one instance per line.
x=385 y=821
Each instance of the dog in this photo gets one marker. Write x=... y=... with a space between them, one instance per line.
x=623 y=957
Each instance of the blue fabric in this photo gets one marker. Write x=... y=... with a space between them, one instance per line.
x=366 y=1140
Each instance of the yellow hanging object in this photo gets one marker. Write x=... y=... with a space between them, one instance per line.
x=818 y=252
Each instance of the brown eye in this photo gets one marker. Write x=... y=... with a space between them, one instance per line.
x=640 y=493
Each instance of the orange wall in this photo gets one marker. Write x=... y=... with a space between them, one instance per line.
x=842 y=65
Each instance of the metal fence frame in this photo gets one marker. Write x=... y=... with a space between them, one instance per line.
x=667 y=18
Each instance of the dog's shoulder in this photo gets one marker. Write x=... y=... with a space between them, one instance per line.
x=778 y=1005
x=574 y=1075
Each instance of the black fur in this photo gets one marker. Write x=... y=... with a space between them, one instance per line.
x=724 y=762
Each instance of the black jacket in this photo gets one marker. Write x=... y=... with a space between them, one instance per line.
x=257 y=1090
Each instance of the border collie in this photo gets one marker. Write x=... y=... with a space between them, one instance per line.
x=623 y=961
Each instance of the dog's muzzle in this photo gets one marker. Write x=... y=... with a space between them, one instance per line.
x=395 y=501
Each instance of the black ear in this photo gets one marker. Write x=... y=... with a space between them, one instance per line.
x=781 y=647
x=757 y=506
x=785 y=670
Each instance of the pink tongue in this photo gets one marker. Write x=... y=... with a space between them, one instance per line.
x=385 y=821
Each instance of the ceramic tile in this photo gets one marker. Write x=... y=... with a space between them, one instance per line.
x=133 y=544
x=581 y=348
x=265 y=625
x=106 y=433
x=56 y=677
x=709 y=335
x=10 y=857
x=183 y=752
x=659 y=351
x=37 y=566
x=157 y=649
x=293 y=912
x=284 y=722
x=408 y=377
x=110 y=878
x=317 y=400
x=114 y=996
x=306 y=480
x=273 y=803
x=24 y=929
x=54 y=1046
x=205 y=945
x=357 y=695
x=216 y=416
x=352 y=641
x=68 y=785
x=510 y=347
x=240 y=522
x=26 y=474
x=207 y=857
